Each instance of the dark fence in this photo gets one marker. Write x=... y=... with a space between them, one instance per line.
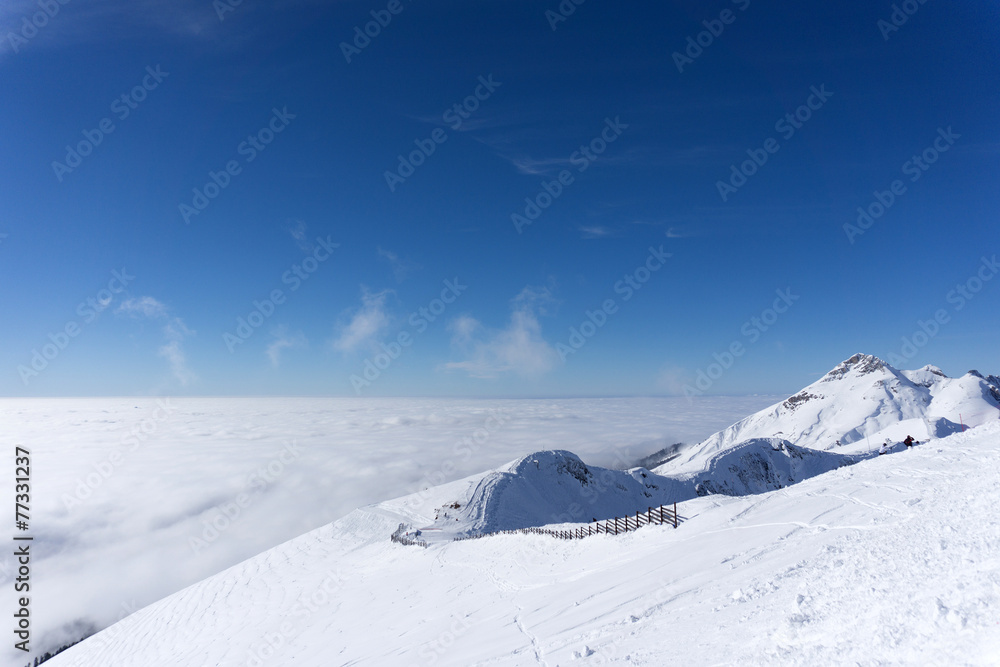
x=664 y=514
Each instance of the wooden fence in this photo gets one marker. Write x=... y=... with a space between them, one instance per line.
x=664 y=514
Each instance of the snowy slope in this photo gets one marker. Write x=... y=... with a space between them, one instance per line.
x=862 y=400
x=764 y=464
x=556 y=486
x=895 y=560
x=551 y=487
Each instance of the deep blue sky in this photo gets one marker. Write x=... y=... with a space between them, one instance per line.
x=656 y=184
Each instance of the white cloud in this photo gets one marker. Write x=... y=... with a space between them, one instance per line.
x=145 y=306
x=283 y=340
x=538 y=166
x=173 y=353
x=401 y=268
x=596 y=232
x=365 y=324
x=672 y=380
x=297 y=229
x=94 y=20
x=174 y=331
x=518 y=348
x=678 y=233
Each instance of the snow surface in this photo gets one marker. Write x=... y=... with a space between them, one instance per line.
x=173 y=472
x=894 y=560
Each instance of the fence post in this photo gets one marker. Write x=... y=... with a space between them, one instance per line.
x=675 y=514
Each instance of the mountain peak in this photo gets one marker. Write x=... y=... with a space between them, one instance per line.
x=862 y=364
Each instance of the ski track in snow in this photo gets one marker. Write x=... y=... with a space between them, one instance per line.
x=895 y=560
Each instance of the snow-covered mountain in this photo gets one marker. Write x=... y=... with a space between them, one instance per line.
x=554 y=487
x=861 y=402
x=891 y=561
x=551 y=487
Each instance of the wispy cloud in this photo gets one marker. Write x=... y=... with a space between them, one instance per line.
x=365 y=324
x=518 y=348
x=672 y=379
x=596 y=231
x=145 y=306
x=477 y=122
x=283 y=340
x=100 y=20
x=174 y=331
x=173 y=352
x=679 y=233
x=401 y=268
x=297 y=229
x=537 y=166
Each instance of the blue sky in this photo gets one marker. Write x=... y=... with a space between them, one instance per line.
x=256 y=156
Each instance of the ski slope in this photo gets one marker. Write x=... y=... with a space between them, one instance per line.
x=894 y=560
